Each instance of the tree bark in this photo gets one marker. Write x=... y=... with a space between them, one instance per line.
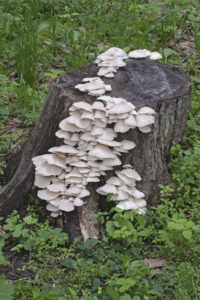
x=142 y=82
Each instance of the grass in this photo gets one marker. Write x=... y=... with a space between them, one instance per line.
x=41 y=40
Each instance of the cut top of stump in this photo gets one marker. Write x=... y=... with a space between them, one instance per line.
x=142 y=82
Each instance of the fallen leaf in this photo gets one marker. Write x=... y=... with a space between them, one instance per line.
x=155 y=263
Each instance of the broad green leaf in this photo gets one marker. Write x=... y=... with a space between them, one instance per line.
x=167 y=52
x=90 y=243
x=187 y=234
x=112 y=293
x=6 y=290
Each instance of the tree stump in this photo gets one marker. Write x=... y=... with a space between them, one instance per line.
x=143 y=83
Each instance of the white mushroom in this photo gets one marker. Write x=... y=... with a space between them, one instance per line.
x=47 y=195
x=107 y=189
x=56 y=187
x=42 y=181
x=101 y=152
x=90 y=147
x=141 y=53
x=155 y=55
x=66 y=205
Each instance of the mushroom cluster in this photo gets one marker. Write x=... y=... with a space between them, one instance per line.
x=110 y=61
x=89 y=150
x=94 y=86
x=144 y=53
x=125 y=116
x=90 y=146
x=123 y=189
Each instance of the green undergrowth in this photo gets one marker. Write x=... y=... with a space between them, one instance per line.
x=151 y=256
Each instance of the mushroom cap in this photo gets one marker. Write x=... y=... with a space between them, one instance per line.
x=155 y=55
x=145 y=129
x=108 y=143
x=42 y=181
x=130 y=121
x=87 y=115
x=112 y=162
x=66 y=126
x=96 y=131
x=81 y=87
x=137 y=194
x=104 y=98
x=51 y=207
x=127 y=145
x=130 y=173
x=120 y=108
x=78 y=202
x=115 y=181
x=55 y=214
x=69 y=142
x=64 y=149
x=86 y=136
x=90 y=79
x=79 y=164
x=144 y=120
x=46 y=169
x=116 y=63
x=120 y=126
x=109 y=75
x=96 y=92
x=92 y=179
x=98 y=114
x=75 y=119
x=56 y=187
x=55 y=160
x=141 y=53
x=98 y=105
x=73 y=173
x=121 y=196
x=82 y=105
x=73 y=191
x=65 y=205
x=106 y=70
x=84 y=193
x=47 y=195
x=126 y=180
x=108 y=134
x=146 y=110
x=101 y=152
x=107 y=189
x=112 y=53
x=63 y=134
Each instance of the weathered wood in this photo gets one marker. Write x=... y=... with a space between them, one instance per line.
x=142 y=82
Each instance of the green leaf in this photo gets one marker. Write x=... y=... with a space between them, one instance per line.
x=175 y=226
x=125 y=297
x=112 y=293
x=43 y=26
x=4 y=111
x=167 y=52
x=71 y=294
x=69 y=263
x=187 y=234
x=6 y=290
x=90 y=243
x=126 y=283
x=30 y=220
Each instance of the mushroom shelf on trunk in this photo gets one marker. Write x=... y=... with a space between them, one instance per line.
x=143 y=83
